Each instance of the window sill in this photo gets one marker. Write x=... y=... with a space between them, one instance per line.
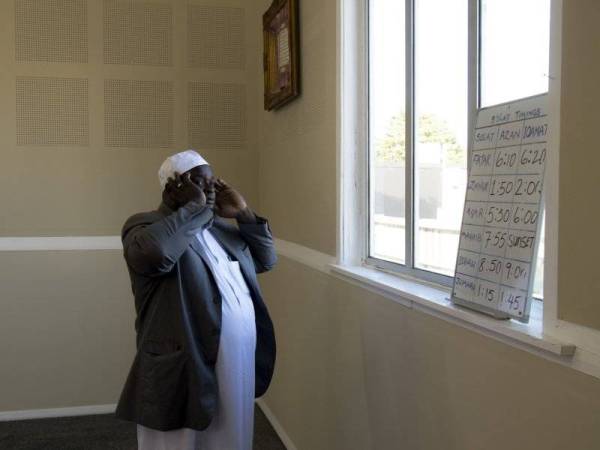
x=434 y=300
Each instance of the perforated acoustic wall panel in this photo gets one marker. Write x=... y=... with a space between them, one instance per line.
x=216 y=37
x=51 y=30
x=52 y=111
x=217 y=115
x=96 y=93
x=138 y=113
x=138 y=33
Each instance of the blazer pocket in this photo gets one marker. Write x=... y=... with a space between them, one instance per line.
x=160 y=348
x=163 y=381
x=246 y=251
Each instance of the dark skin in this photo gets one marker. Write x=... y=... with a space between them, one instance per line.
x=201 y=186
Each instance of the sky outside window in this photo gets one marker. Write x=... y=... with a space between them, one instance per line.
x=515 y=47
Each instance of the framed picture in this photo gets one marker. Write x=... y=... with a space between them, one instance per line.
x=281 y=53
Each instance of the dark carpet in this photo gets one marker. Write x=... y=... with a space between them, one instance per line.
x=100 y=432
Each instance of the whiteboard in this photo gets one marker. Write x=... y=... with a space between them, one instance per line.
x=502 y=216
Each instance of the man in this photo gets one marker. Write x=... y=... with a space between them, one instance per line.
x=205 y=341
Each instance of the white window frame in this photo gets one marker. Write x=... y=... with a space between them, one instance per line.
x=409 y=268
x=545 y=335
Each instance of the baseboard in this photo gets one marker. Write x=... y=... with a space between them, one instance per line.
x=289 y=445
x=6 y=416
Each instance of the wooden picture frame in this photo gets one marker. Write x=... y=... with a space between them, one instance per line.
x=281 y=53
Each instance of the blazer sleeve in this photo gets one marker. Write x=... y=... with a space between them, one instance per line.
x=259 y=238
x=152 y=247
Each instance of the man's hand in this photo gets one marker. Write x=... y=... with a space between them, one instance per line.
x=229 y=203
x=181 y=190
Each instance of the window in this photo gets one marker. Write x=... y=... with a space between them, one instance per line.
x=376 y=222
x=423 y=94
x=387 y=125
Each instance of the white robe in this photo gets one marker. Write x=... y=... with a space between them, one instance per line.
x=232 y=426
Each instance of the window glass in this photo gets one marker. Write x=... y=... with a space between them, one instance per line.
x=515 y=47
x=514 y=58
x=441 y=118
x=515 y=64
x=386 y=130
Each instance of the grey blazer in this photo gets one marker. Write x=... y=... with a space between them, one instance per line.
x=172 y=382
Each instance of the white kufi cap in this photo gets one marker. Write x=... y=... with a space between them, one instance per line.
x=179 y=162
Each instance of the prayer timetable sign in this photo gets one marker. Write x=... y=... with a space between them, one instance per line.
x=502 y=216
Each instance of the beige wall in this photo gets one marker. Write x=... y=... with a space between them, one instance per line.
x=354 y=370
x=66 y=328
x=77 y=161
x=578 y=281
x=83 y=165
x=358 y=371
x=297 y=143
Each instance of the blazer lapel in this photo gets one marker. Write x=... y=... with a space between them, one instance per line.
x=229 y=249
x=228 y=246
x=225 y=243
x=201 y=251
x=234 y=252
